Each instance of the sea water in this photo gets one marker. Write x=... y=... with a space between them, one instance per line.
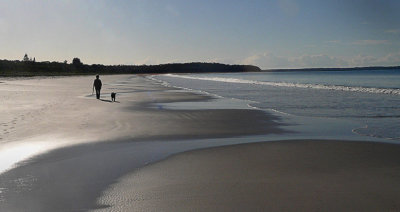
x=370 y=98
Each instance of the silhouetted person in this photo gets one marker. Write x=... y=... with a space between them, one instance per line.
x=113 y=96
x=97 y=85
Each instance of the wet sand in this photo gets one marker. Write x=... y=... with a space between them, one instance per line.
x=63 y=147
x=297 y=175
x=63 y=150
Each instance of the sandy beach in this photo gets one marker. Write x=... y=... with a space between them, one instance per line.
x=297 y=175
x=61 y=147
x=63 y=150
x=166 y=105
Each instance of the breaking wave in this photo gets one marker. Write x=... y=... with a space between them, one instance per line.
x=392 y=91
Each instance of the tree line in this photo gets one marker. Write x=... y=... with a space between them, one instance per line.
x=32 y=68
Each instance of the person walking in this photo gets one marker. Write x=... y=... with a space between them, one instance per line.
x=97 y=85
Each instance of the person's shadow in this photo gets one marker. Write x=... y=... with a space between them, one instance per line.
x=108 y=101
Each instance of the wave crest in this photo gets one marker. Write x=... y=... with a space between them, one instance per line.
x=391 y=91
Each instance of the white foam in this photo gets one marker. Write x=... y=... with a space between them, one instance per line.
x=392 y=91
x=166 y=84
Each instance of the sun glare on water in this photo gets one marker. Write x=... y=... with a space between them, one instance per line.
x=14 y=153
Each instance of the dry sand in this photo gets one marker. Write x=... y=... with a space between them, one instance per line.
x=69 y=147
x=296 y=175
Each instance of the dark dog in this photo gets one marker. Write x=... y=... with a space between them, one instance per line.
x=113 y=96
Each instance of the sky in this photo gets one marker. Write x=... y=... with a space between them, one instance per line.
x=267 y=33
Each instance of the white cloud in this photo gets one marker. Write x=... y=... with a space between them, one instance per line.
x=361 y=42
x=333 y=41
x=363 y=60
x=391 y=59
x=371 y=42
x=222 y=60
x=267 y=60
x=393 y=31
x=271 y=61
x=315 y=61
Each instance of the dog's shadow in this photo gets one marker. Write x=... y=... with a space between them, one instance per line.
x=103 y=100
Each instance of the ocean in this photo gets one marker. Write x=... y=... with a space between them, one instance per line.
x=369 y=98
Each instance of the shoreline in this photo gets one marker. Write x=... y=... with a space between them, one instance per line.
x=92 y=155
x=289 y=175
x=96 y=152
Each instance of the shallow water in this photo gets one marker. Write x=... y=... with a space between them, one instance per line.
x=369 y=98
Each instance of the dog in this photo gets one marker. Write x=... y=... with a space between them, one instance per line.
x=113 y=96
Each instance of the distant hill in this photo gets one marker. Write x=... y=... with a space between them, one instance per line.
x=32 y=68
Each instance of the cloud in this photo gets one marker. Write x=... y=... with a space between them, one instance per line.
x=393 y=31
x=391 y=59
x=271 y=61
x=222 y=60
x=363 y=60
x=315 y=61
x=333 y=41
x=361 y=42
x=370 y=42
x=267 y=60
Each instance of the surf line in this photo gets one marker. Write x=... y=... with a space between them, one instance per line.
x=392 y=91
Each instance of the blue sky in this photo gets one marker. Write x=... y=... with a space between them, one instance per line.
x=270 y=34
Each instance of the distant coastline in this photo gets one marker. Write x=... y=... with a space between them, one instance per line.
x=335 y=69
x=27 y=68
x=32 y=68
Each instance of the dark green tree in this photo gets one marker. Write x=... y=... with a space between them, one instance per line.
x=26 y=58
x=77 y=62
